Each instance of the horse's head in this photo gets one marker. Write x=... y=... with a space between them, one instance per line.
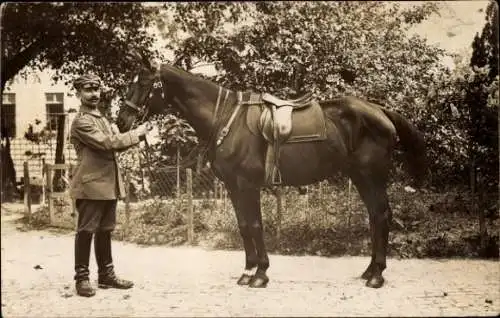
x=144 y=98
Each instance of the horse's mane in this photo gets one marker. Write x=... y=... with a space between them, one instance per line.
x=190 y=76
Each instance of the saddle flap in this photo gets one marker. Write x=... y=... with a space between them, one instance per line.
x=254 y=113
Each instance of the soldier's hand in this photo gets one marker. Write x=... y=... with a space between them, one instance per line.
x=142 y=129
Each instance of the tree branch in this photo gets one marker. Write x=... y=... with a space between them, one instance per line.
x=10 y=67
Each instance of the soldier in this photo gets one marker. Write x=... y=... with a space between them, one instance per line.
x=96 y=186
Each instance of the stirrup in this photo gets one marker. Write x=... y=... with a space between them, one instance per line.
x=276 y=177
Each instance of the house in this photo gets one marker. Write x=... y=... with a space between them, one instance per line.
x=37 y=101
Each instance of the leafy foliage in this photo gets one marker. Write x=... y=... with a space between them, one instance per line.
x=336 y=48
x=73 y=38
x=482 y=101
x=329 y=48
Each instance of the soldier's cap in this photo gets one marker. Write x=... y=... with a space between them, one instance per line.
x=87 y=81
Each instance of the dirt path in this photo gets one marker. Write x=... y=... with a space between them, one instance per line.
x=196 y=282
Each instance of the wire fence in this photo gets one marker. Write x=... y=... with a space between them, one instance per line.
x=39 y=147
x=188 y=200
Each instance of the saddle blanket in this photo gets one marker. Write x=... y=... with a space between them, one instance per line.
x=294 y=125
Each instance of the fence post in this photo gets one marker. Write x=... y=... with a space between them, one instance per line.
x=223 y=195
x=49 y=194
x=215 y=192
x=279 y=213
x=189 y=190
x=27 y=191
x=349 y=187
x=42 y=201
x=178 y=164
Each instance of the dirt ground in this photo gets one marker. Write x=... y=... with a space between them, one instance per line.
x=37 y=271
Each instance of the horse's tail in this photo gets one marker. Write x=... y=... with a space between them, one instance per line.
x=412 y=140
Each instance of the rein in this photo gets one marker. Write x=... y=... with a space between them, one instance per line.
x=145 y=112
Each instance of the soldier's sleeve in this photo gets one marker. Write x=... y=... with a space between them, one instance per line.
x=86 y=131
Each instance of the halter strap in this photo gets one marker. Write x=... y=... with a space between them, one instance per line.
x=132 y=105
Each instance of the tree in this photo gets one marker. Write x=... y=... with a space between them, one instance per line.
x=328 y=48
x=482 y=105
x=482 y=101
x=73 y=38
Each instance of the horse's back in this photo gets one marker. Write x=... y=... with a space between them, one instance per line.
x=356 y=109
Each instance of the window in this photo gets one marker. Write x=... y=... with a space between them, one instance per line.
x=8 y=114
x=54 y=106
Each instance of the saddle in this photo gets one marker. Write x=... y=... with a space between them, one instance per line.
x=280 y=122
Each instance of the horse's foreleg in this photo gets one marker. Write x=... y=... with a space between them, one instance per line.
x=252 y=213
x=251 y=259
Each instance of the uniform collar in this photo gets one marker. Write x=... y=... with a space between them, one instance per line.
x=91 y=111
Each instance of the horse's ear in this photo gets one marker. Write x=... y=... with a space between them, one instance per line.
x=133 y=55
x=146 y=62
x=140 y=57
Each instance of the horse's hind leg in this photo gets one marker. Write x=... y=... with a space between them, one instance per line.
x=372 y=189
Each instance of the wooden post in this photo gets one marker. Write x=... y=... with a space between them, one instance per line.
x=189 y=192
x=321 y=191
x=223 y=196
x=279 y=213
x=178 y=173
x=27 y=191
x=42 y=201
x=49 y=194
x=349 y=187
x=307 y=198
x=215 y=191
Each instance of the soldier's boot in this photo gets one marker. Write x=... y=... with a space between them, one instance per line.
x=106 y=274
x=83 y=241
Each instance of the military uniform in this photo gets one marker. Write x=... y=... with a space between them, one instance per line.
x=96 y=185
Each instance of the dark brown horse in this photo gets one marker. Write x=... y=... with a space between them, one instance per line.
x=360 y=138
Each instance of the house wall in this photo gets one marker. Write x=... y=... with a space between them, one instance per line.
x=30 y=102
x=30 y=98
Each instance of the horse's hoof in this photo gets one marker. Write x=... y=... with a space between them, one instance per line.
x=375 y=282
x=258 y=282
x=244 y=279
x=367 y=274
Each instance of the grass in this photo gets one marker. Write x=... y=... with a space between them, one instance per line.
x=323 y=222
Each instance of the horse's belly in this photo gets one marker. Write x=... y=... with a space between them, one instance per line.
x=306 y=163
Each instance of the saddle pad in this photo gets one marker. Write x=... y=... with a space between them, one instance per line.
x=308 y=124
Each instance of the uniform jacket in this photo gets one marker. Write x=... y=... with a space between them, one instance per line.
x=96 y=175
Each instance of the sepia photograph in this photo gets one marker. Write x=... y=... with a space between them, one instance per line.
x=250 y=159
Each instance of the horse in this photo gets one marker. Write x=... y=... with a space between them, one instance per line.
x=360 y=138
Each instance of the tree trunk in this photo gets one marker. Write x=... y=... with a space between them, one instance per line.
x=58 y=183
x=9 y=186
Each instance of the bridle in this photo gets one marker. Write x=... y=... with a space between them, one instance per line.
x=143 y=110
